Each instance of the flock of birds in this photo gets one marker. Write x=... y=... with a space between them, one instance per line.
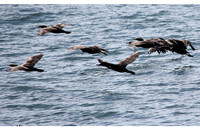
x=155 y=45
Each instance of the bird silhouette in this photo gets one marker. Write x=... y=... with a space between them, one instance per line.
x=90 y=49
x=121 y=66
x=28 y=65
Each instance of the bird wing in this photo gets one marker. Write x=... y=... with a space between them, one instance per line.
x=169 y=43
x=17 y=68
x=154 y=41
x=61 y=25
x=152 y=49
x=45 y=30
x=42 y=32
x=12 y=70
x=129 y=59
x=32 y=61
x=77 y=47
x=58 y=26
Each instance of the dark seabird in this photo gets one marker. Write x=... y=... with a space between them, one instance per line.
x=180 y=46
x=91 y=50
x=28 y=65
x=53 y=29
x=154 y=44
x=121 y=66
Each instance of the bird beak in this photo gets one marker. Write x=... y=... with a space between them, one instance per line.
x=129 y=43
x=68 y=24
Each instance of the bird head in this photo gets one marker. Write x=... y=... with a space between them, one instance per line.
x=129 y=42
x=13 y=65
x=42 y=26
x=100 y=61
x=139 y=39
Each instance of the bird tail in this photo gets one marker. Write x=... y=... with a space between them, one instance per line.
x=192 y=47
x=103 y=53
x=67 y=32
x=131 y=72
x=38 y=70
x=103 y=50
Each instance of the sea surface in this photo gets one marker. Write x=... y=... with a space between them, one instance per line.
x=74 y=91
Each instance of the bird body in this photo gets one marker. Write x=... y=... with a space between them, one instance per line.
x=121 y=66
x=28 y=65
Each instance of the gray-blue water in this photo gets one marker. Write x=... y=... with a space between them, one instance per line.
x=73 y=90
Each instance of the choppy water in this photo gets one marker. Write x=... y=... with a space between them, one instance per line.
x=73 y=90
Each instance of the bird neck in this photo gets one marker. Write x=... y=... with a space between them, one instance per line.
x=131 y=72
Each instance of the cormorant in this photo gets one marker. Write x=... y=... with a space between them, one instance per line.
x=28 y=65
x=121 y=66
x=91 y=49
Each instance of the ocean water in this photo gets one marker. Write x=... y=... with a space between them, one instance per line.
x=74 y=90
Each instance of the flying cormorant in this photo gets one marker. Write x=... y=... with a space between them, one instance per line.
x=91 y=49
x=28 y=65
x=121 y=66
